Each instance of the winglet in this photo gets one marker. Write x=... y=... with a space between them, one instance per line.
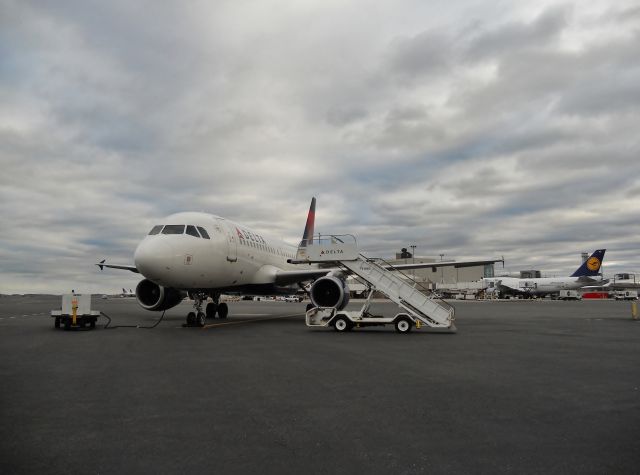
x=102 y=265
x=591 y=267
x=307 y=236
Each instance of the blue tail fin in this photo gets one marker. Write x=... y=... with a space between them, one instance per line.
x=307 y=236
x=591 y=266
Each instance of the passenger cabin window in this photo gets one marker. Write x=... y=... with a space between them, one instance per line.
x=203 y=232
x=173 y=229
x=155 y=229
x=191 y=231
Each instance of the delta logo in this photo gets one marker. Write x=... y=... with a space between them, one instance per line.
x=331 y=251
x=593 y=264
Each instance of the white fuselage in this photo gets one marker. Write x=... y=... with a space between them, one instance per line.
x=538 y=286
x=234 y=256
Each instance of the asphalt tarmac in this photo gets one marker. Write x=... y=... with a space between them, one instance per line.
x=538 y=387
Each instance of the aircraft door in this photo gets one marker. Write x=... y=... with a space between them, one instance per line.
x=232 y=243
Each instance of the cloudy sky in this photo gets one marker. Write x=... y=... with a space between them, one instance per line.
x=469 y=128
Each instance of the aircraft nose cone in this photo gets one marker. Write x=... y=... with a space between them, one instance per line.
x=153 y=258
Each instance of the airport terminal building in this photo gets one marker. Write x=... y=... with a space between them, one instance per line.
x=443 y=275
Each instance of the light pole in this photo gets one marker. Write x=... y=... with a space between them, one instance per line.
x=441 y=269
x=413 y=256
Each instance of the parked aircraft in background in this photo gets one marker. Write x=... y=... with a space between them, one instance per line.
x=203 y=255
x=586 y=275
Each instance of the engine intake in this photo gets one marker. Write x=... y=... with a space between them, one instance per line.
x=152 y=296
x=329 y=291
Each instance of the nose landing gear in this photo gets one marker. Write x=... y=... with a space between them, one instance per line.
x=195 y=319
x=198 y=318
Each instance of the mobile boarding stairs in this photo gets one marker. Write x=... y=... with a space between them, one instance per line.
x=417 y=308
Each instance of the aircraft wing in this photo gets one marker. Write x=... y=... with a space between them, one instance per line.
x=590 y=280
x=595 y=284
x=102 y=265
x=287 y=277
x=434 y=265
x=501 y=283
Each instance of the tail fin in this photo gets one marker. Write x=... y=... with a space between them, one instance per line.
x=591 y=266
x=307 y=236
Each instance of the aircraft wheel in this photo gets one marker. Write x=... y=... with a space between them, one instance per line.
x=342 y=324
x=202 y=318
x=403 y=325
x=191 y=318
x=211 y=310
x=223 y=310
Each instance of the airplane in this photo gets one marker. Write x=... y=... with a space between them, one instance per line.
x=587 y=274
x=202 y=256
x=127 y=294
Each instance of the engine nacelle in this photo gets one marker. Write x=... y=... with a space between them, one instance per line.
x=152 y=296
x=329 y=291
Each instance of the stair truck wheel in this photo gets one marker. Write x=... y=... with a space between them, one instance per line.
x=403 y=324
x=342 y=324
x=309 y=307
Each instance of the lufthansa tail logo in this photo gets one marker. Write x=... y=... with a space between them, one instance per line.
x=593 y=264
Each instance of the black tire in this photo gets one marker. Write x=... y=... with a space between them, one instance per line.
x=223 y=310
x=309 y=307
x=67 y=324
x=211 y=310
x=191 y=318
x=201 y=319
x=92 y=324
x=56 y=324
x=342 y=324
x=403 y=324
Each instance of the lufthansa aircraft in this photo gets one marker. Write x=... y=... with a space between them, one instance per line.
x=203 y=256
x=587 y=274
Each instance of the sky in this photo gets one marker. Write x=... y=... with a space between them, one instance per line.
x=467 y=128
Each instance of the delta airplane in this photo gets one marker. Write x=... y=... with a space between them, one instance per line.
x=203 y=256
x=587 y=274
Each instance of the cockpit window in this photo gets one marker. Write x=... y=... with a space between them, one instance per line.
x=203 y=232
x=173 y=229
x=155 y=229
x=191 y=231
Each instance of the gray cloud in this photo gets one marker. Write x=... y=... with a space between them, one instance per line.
x=469 y=129
x=490 y=42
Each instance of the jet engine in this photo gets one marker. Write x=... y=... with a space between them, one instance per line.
x=329 y=291
x=152 y=296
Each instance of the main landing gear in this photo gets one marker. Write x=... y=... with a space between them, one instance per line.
x=222 y=309
x=198 y=317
